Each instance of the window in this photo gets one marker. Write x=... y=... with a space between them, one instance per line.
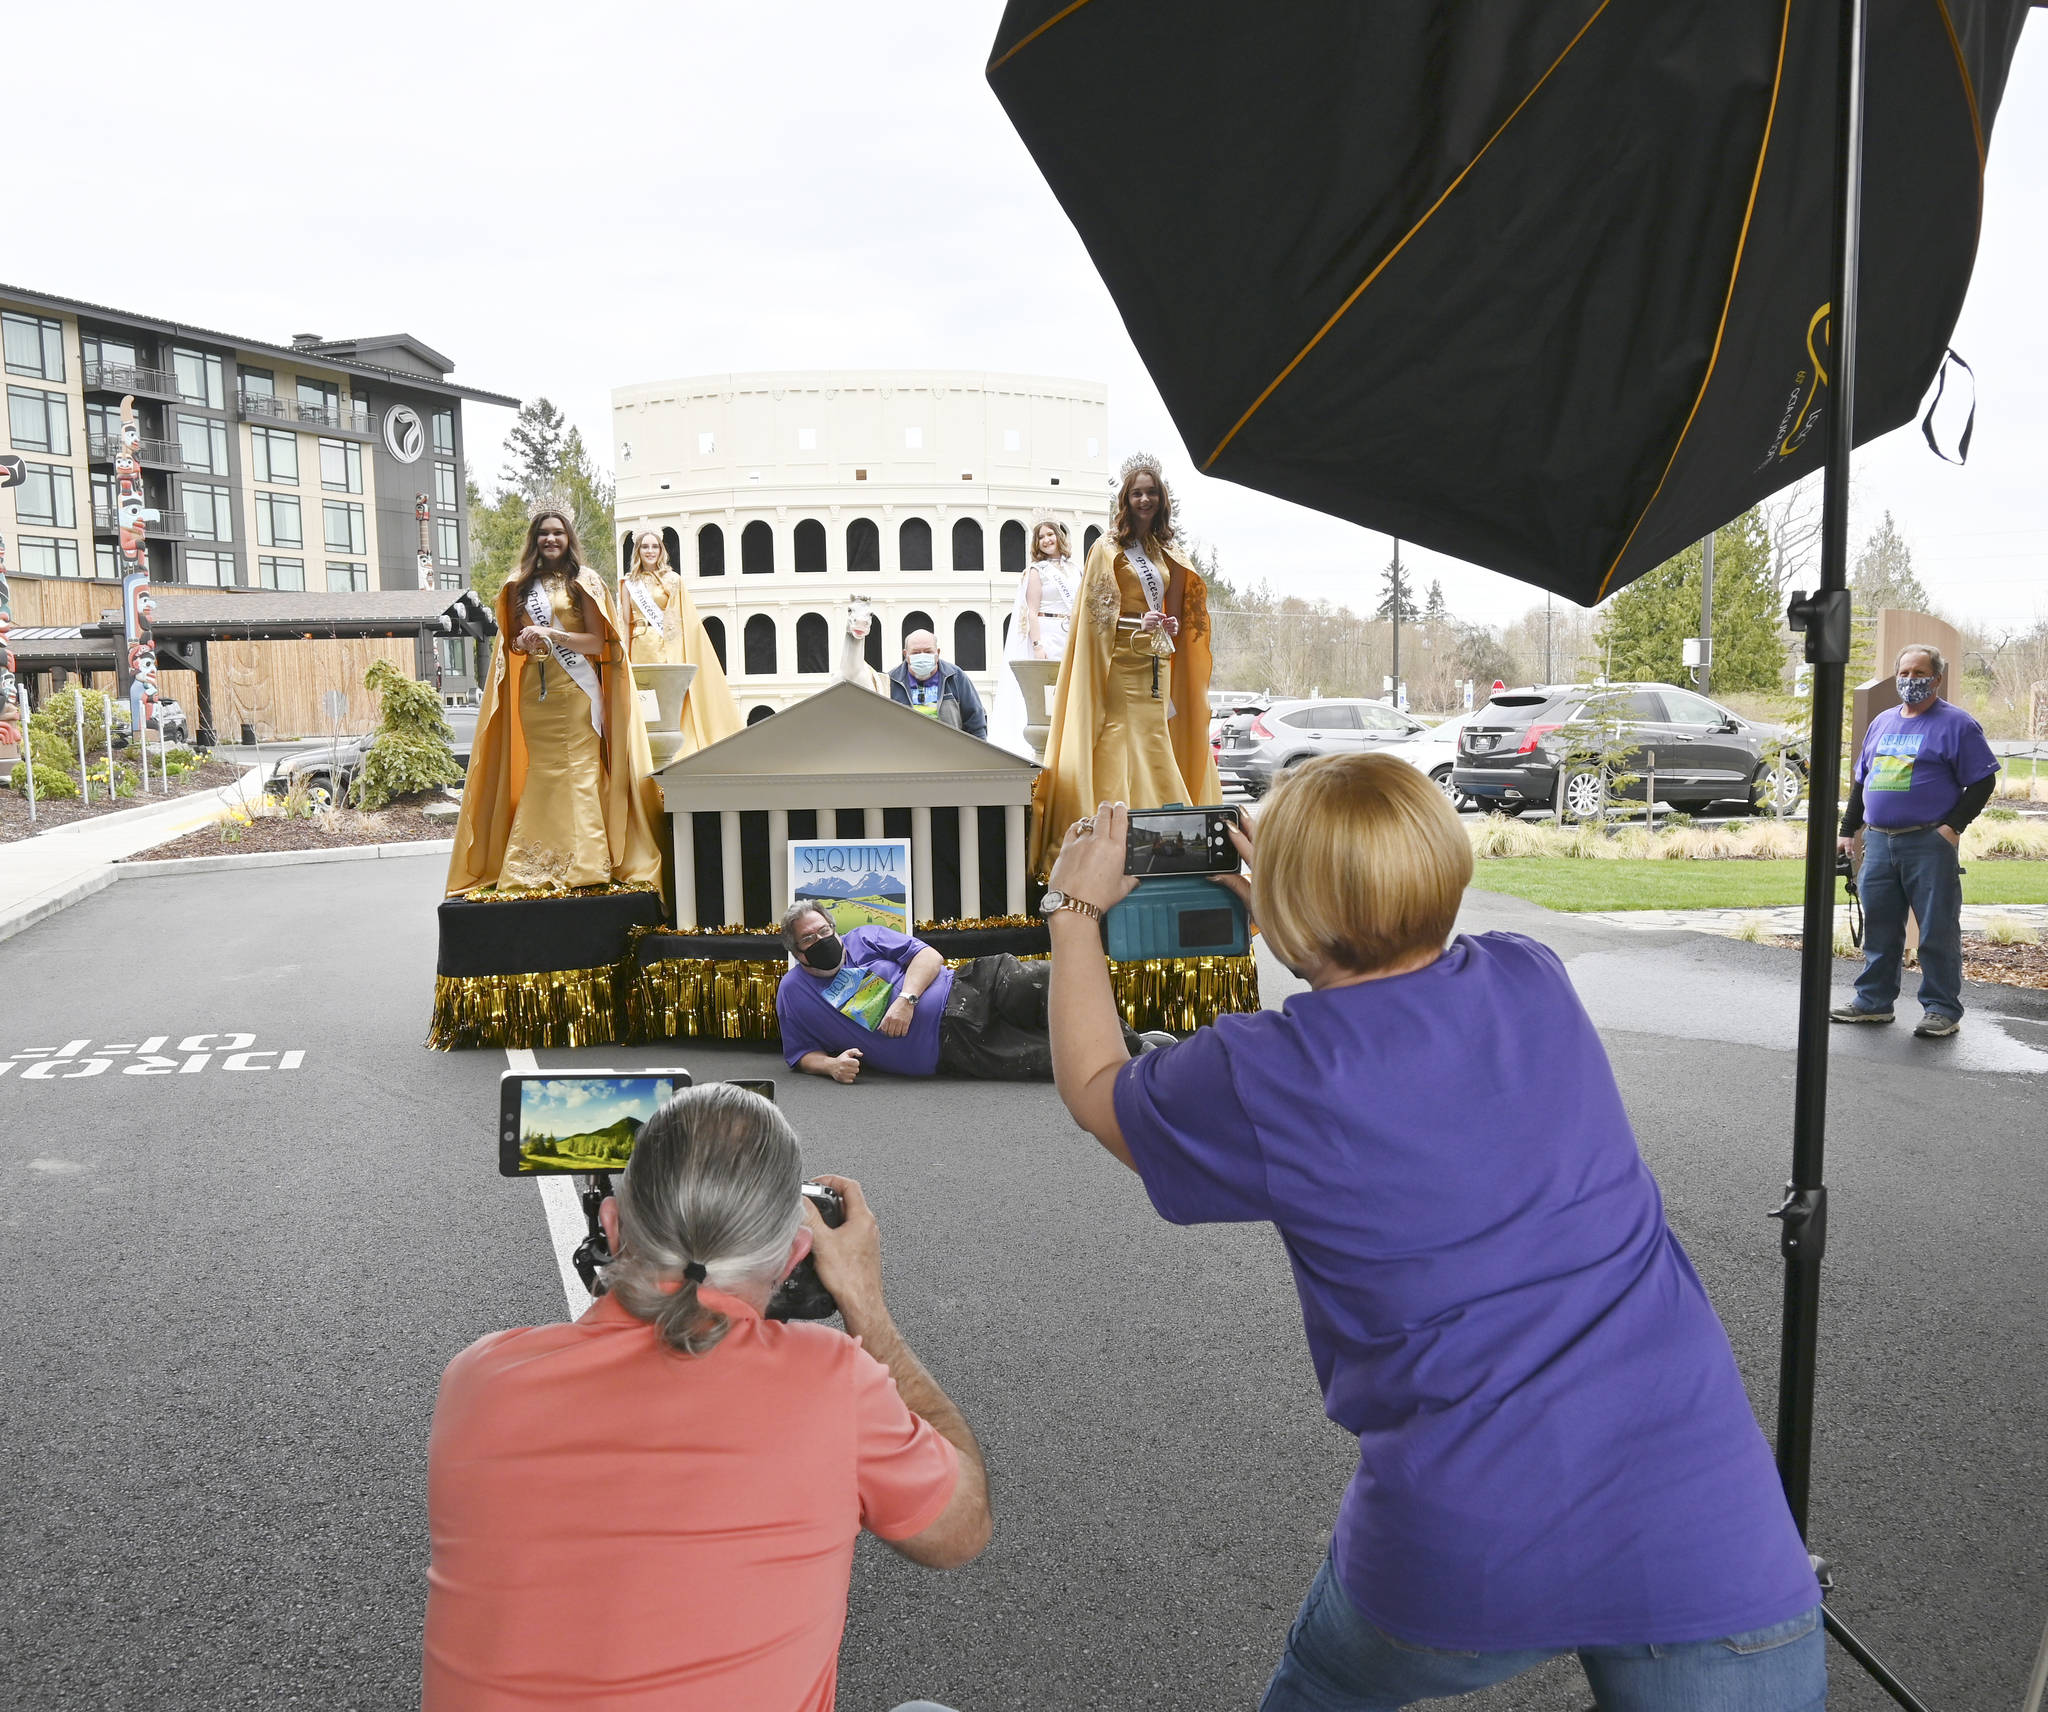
x=207 y=513
x=756 y=714
x=1013 y=441
x=46 y=496
x=810 y=545
x=444 y=431
x=341 y=466
x=1011 y=546
x=913 y=439
x=966 y=545
x=813 y=645
x=256 y=383
x=38 y=421
x=757 y=550
x=444 y=481
x=707 y=443
x=34 y=345
x=873 y=649
x=450 y=580
x=345 y=530
x=760 y=646
x=106 y=561
x=203 y=444
x=119 y=353
x=320 y=395
x=914 y=545
x=277 y=521
x=863 y=546
x=448 y=651
x=1382 y=719
x=49 y=556
x=970 y=642
x=1330 y=716
x=860 y=475
x=447 y=541
x=198 y=377
x=1089 y=539
x=1682 y=707
x=714 y=630
x=273 y=453
x=346 y=577
x=287 y=574
x=807 y=439
x=913 y=621
x=711 y=558
x=210 y=570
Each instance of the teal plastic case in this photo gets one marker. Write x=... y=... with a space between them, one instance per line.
x=1176 y=915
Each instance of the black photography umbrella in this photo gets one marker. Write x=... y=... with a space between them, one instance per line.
x=1555 y=286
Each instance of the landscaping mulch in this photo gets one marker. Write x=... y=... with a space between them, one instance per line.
x=68 y=811
x=1984 y=960
x=401 y=823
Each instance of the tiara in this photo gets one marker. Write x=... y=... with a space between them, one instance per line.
x=1140 y=461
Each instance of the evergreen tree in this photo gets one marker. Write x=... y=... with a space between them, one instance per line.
x=583 y=488
x=1434 y=611
x=1395 y=581
x=1642 y=629
x=412 y=752
x=534 y=449
x=497 y=530
x=1883 y=573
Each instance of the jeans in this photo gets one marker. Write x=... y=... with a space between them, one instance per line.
x=994 y=1029
x=1338 y=1662
x=1921 y=871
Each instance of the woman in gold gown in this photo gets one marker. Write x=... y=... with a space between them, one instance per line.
x=558 y=796
x=1130 y=718
x=663 y=629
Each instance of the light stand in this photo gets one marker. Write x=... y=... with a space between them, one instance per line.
x=1824 y=617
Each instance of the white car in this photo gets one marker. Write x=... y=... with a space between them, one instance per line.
x=1435 y=751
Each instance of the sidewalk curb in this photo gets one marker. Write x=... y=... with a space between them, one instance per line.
x=144 y=813
x=55 y=903
x=130 y=869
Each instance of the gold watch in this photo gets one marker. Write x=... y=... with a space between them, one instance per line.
x=1053 y=902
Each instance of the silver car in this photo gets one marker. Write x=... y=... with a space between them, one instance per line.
x=1291 y=732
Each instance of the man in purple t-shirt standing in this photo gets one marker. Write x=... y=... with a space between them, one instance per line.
x=1924 y=773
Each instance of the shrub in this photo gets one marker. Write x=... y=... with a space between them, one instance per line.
x=126 y=781
x=56 y=718
x=413 y=750
x=178 y=759
x=2011 y=930
x=2023 y=839
x=52 y=783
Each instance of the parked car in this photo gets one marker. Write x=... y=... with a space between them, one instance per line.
x=1291 y=732
x=170 y=723
x=1228 y=714
x=325 y=772
x=1510 y=755
x=1435 y=751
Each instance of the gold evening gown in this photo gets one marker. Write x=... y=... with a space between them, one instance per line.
x=552 y=803
x=1112 y=739
x=709 y=711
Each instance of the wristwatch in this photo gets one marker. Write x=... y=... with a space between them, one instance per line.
x=1053 y=902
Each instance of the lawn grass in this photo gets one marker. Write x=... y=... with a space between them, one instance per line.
x=1568 y=883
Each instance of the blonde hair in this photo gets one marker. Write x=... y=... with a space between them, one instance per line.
x=635 y=567
x=1361 y=863
x=1059 y=529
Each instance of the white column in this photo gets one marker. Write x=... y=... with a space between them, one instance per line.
x=828 y=823
x=922 y=905
x=1013 y=857
x=970 y=862
x=871 y=825
x=686 y=871
x=735 y=900
x=778 y=858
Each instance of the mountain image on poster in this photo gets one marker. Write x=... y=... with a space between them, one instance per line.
x=855 y=882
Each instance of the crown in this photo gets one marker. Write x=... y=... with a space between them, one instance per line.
x=1140 y=461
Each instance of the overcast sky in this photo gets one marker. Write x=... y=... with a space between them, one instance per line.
x=565 y=202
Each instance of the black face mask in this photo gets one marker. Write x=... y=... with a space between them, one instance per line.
x=823 y=955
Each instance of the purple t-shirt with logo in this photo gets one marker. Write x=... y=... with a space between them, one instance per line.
x=1913 y=770
x=832 y=1014
x=1554 y=1444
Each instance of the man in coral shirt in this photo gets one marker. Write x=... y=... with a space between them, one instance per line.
x=656 y=1506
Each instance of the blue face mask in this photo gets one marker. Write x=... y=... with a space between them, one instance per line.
x=1913 y=690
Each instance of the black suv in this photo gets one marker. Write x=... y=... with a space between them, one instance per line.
x=1509 y=755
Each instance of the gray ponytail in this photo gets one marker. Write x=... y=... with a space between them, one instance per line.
x=714 y=1182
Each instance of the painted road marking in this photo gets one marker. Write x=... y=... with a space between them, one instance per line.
x=562 y=1206
x=77 y=1059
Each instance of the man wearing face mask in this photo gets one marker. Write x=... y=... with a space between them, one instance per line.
x=1924 y=773
x=934 y=687
x=883 y=1000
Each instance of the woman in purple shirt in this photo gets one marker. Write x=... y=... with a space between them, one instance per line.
x=1555 y=1449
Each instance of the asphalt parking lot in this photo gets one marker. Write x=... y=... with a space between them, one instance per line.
x=234 y=1275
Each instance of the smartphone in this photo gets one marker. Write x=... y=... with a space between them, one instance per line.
x=1181 y=841
x=556 y=1125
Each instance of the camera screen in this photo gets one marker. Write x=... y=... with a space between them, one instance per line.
x=585 y=1123
x=1164 y=841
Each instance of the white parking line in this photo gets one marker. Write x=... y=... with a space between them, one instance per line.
x=563 y=1207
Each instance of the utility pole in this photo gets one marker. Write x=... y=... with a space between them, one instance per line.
x=1396 y=697
x=1706 y=615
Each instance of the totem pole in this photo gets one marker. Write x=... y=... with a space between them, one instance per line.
x=135 y=679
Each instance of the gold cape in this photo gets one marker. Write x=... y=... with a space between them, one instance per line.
x=629 y=798
x=1108 y=737
x=709 y=711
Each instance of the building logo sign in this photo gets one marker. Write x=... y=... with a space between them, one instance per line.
x=405 y=436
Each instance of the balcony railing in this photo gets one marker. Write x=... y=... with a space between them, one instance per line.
x=105 y=448
x=168 y=525
x=128 y=377
x=318 y=418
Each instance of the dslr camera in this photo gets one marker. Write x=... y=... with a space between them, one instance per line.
x=585 y=1126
